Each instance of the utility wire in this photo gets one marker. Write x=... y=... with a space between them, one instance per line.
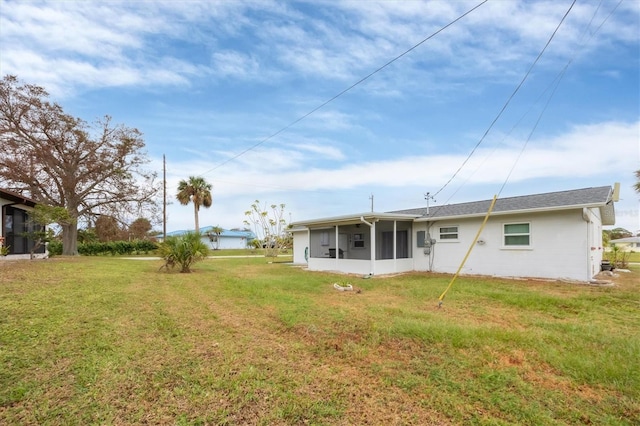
x=555 y=88
x=504 y=107
x=325 y=103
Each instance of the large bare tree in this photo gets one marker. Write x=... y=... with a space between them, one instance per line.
x=60 y=160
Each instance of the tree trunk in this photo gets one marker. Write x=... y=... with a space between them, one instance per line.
x=195 y=210
x=70 y=239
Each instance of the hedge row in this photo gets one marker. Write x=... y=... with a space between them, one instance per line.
x=112 y=248
x=117 y=248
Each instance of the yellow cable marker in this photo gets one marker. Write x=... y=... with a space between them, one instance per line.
x=484 y=222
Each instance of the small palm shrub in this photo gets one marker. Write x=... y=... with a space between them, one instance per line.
x=618 y=258
x=183 y=251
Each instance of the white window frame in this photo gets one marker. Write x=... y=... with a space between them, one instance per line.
x=516 y=234
x=358 y=241
x=324 y=238
x=456 y=233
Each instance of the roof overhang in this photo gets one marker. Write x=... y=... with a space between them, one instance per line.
x=16 y=198
x=352 y=219
x=601 y=206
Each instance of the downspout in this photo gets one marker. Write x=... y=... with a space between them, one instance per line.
x=586 y=216
x=372 y=235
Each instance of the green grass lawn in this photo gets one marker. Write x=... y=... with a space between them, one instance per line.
x=241 y=341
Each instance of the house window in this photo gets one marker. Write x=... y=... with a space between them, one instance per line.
x=420 y=236
x=449 y=233
x=324 y=238
x=517 y=234
x=358 y=240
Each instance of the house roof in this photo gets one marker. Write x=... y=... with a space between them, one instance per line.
x=561 y=200
x=17 y=198
x=225 y=233
x=353 y=218
x=626 y=240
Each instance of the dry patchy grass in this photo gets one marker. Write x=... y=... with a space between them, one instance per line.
x=242 y=342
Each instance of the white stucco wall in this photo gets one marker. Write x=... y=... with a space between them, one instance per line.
x=230 y=243
x=563 y=245
x=300 y=244
x=560 y=247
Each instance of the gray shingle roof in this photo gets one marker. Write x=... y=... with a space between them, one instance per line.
x=598 y=196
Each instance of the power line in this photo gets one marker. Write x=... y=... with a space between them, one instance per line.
x=504 y=107
x=325 y=103
x=555 y=88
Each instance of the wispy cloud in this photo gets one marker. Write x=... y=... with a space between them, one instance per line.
x=118 y=43
x=569 y=155
x=215 y=78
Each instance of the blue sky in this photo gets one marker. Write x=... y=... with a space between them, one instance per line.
x=210 y=83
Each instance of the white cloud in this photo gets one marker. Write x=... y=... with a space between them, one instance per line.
x=588 y=150
x=106 y=36
x=586 y=155
x=304 y=54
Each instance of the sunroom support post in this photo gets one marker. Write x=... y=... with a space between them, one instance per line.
x=337 y=245
x=395 y=240
x=372 y=237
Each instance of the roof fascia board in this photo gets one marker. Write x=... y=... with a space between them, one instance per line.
x=17 y=199
x=509 y=212
x=354 y=219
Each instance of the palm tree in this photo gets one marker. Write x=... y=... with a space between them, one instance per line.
x=214 y=235
x=197 y=191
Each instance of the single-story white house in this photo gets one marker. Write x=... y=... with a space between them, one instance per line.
x=555 y=235
x=626 y=244
x=15 y=216
x=227 y=239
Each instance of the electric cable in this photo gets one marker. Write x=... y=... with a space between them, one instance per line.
x=363 y=79
x=504 y=107
x=555 y=85
x=553 y=92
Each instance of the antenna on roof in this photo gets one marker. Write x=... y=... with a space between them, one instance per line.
x=371 y=198
x=428 y=197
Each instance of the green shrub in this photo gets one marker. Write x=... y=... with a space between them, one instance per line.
x=55 y=248
x=183 y=251
x=116 y=248
x=91 y=248
x=144 y=246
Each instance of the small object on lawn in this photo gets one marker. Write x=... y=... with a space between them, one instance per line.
x=338 y=287
x=606 y=265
